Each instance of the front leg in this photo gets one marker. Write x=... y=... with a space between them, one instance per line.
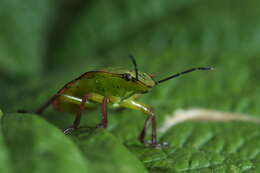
x=150 y=119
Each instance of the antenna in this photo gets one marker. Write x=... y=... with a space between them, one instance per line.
x=135 y=65
x=184 y=72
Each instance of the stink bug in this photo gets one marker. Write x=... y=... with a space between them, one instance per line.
x=113 y=86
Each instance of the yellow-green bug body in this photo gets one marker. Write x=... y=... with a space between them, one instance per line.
x=113 y=86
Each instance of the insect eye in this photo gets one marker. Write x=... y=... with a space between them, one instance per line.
x=127 y=77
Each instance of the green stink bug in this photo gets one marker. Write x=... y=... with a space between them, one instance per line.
x=114 y=86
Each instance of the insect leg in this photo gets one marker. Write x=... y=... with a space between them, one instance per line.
x=151 y=118
x=78 y=115
x=104 y=121
x=43 y=107
x=154 y=132
x=143 y=133
x=98 y=99
x=50 y=101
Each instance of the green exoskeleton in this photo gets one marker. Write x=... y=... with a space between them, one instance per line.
x=114 y=86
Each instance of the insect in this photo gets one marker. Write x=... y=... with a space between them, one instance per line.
x=113 y=86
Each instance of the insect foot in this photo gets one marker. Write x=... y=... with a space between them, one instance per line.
x=100 y=126
x=69 y=130
x=149 y=143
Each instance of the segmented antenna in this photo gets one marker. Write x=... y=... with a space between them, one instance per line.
x=184 y=72
x=135 y=65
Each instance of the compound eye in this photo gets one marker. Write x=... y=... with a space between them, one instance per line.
x=127 y=77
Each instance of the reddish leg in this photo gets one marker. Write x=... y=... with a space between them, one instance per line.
x=104 y=121
x=50 y=101
x=154 y=133
x=146 y=126
x=78 y=115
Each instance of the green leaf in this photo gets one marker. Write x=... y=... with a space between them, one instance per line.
x=23 y=31
x=36 y=146
x=206 y=147
x=106 y=153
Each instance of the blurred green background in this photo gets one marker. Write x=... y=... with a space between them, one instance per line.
x=44 y=44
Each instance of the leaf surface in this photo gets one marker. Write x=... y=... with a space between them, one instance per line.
x=106 y=153
x=36 y=146
x=206 y=147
